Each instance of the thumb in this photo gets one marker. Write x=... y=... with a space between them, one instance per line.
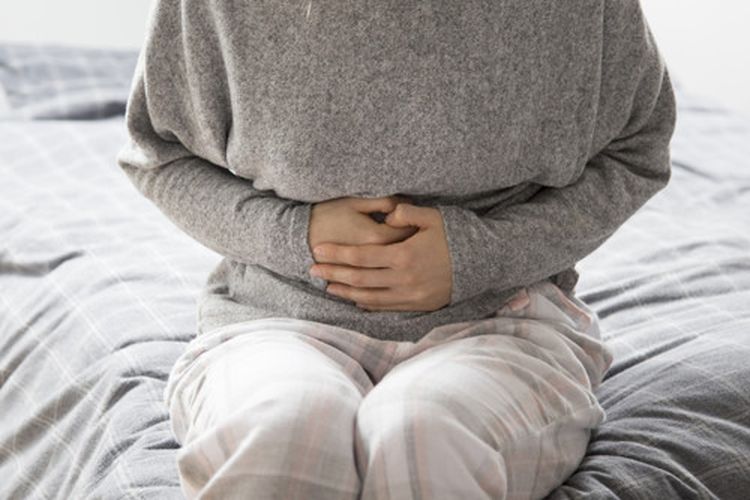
x=406 y=214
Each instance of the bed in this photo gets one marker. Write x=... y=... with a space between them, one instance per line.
x=98 y=298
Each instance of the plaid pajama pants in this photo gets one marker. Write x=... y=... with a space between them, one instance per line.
x=499 y=408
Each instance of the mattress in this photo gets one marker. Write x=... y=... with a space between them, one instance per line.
x=98 y=299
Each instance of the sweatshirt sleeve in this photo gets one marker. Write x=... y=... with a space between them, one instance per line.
x=218 y=209
x=520 y=244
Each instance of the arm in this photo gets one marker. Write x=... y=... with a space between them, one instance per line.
x=523 y=243
x=218 y=209
x=222 y=211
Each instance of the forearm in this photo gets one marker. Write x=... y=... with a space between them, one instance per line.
x=226 y=214
x=552 y=231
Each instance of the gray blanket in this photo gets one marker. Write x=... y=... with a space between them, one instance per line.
x=98 y=291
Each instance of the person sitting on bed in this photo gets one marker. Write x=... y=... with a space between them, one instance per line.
x=400 y=192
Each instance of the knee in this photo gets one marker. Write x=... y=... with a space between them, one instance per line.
x=276 y=380
x=236 y=403
x=292 y=403
x=386 y=418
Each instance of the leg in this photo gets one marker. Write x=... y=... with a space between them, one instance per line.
x=268 y=414
x=500 y=409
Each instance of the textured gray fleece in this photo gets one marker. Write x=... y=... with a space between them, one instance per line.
x=536 y=127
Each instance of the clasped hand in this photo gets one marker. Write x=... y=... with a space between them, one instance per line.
x=402 y=264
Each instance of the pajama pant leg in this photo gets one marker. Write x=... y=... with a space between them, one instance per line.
x=268 y=414
x=499 y=408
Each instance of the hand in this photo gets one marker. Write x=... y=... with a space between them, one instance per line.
x=347 y=221
x=410 y=275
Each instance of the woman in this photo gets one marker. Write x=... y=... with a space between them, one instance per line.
x=453 y=161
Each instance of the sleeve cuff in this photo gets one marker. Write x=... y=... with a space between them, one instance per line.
x=301 y=253
x=464 y=259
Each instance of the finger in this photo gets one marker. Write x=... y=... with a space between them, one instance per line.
x=400 y=198
x=381 y=233
x=367 y=205
x=378 y=297
x=368 y=255
x=406 y=214
x=359 y=276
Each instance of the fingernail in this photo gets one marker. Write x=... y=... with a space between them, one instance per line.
x=319 y=252
x=315 y=272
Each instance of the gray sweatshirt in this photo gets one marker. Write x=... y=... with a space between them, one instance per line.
x=537 y=128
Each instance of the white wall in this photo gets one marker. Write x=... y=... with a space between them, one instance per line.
x=706 y=44
x=94 y=23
